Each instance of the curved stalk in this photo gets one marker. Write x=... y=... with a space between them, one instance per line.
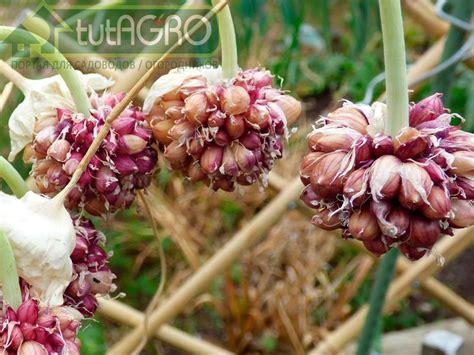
x=156 y=297
x=462 y=10
x=228 y=42
x=8 y=275
x=55 y=58
x=395 y=66
x=12 y=178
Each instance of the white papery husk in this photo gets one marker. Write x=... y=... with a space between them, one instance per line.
x=42 y=99
x=175 y=78
x=42 y=236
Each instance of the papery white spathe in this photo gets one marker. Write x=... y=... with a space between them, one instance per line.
x=175 y=78
x=42 y=236
x=41 y=100
x=377 y=119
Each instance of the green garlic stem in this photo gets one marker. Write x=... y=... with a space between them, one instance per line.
x=12 y=178
x=395 y=66
x=8 y=274
x=397 y=111
x=372 y=326
x=55 y=58
x=230 y=66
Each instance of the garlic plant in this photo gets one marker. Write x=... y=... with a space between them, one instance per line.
x=220 y=131
x=223 y=126
x=124 y=162
x=402 y=191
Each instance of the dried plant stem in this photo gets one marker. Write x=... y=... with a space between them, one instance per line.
x=423 y=12
x=123 y=314
x=228 y=42
x=122 y=105
x=395 y=66
x=216 y=265
x=127 y=77
x=400 y=288
x=183 y=233
x=12 y=178
x=56 y=59
x=8 y=276
x=462 y=9
x=156 y=297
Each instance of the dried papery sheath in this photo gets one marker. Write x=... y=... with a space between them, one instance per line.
x=220 y=131
x=42 y=98
x=41 y=234
x=124 y=162
x=402 y=191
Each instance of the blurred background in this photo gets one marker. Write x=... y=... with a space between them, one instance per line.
x=298 y=284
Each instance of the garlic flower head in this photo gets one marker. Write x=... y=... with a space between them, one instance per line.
x=40 y=103
x=387 y=191
x=42 y=237
x=223 y=132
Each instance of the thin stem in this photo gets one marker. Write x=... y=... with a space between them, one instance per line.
x=228 y=42
x=395 y=66
x=55 y=58
x=156 y=297
x=8 y=274
x=16 y=78
x=384 y=276
x=12 y=178
x=397 y=109
x=122 y=105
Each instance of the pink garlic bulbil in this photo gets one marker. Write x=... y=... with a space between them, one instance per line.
x=38 y=109
x=403 y=191
x=124 y=162
x=91 y=274
x=41 y=234
x=221 y=132
x=36 y=329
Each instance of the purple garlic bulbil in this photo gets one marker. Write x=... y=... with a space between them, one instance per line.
x=34 y=329
x=222 y=132
x=91 y=273
x=403 y=191
x=123 y=163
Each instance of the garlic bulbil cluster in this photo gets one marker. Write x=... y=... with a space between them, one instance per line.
x=42 y=98
x=39 y=330
x=91 y=273
x=124 y=162
x=221 y=132
x=403 y=191
x=62 y=267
